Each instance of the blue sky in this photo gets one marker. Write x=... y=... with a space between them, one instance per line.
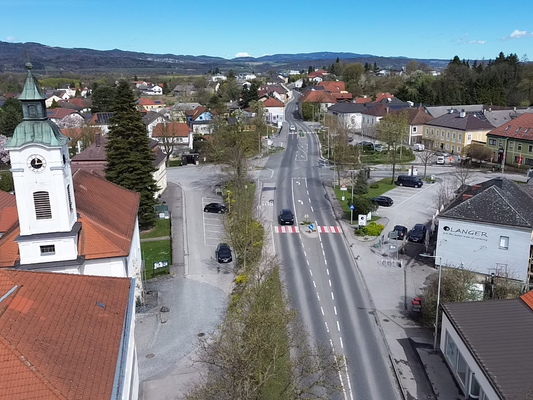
x=471 y=29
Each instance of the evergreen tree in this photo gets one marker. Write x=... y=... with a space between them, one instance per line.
x=129 y=158
x=166 y=89
x=10 y=116
x=54 y=104
x=102 y=98
x=360 y=185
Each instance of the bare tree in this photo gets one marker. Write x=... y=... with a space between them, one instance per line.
x=427 y=156
x=169 y=136
x=391 y=130
x=446 y=192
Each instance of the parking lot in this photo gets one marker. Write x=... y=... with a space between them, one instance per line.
x=213 y=225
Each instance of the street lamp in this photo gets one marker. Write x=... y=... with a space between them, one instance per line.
x=438 y=299
x=327 y=127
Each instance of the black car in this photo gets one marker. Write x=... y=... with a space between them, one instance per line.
x=401 y=232
x=418 y=233
x=383 y=201
x=215 y=208
x=367 y=145
x=286 y=217
x=223 y=253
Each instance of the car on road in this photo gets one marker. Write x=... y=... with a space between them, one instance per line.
x=408 y=180
x=440 y=160
x=417 y=234
x=223 y=253
x=378 y=147
x=292 y=128
x=401 y=232
x=383 y=201
x=366 y=145
x=215 y=208
x=418 y=147
x=286 y=217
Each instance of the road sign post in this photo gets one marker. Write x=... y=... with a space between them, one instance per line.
x=351 y=213
x=311 y=227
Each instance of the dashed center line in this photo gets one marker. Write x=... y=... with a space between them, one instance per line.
x=338 y=326
x=314 y=284
x=342 y=345
x=321 y=309
x=335 y=309
x=332 y=297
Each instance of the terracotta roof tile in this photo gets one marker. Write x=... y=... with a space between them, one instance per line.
x=59 y=113
x=528 y=299
x=272 y=102
x=8 y=218
x=145 y=102
x=55 y=341
x=333 y=86
x=171 y=129
x=9 y=249
x=7 y=199
x=520 y=127
x=363 y=100
x=317 y=96
x=197 y=112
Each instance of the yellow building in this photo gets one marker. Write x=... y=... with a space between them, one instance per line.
x=453 y=131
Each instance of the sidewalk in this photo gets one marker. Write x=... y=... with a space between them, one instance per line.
x=422 y=372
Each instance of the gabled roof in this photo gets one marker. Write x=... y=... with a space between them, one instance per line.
x=379 y=110
x=333 y=86
x=317 y=96
x=7 y=200
x=519 y=128
x=143 y=101
x=59 y=113
x=381 y=96
x=363 y=100
x=497 y=201
x=342 y=96
x=185 y=106
x=151 y=116
x=348 y=108
x=273 y=102
x=56 y=342
x=498 y=335
x=437 y=111
x=171 y=129
x=454 y=120
x=101 y=118
x=418 y=116
x=197 y=112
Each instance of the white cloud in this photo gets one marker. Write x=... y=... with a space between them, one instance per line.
x=242 y=54
x=518 y=34
x=477 y=42
x=10 y=39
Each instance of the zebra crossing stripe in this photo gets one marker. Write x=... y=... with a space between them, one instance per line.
x=329 y=229
x=286 y=229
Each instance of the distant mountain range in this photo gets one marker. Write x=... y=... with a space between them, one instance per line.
x=13 y=57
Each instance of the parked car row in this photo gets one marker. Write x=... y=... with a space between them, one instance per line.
x=417 y=234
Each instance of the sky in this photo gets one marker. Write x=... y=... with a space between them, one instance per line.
x=470 y=29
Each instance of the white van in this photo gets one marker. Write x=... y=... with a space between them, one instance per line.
x=440 y=160
x=418 y=147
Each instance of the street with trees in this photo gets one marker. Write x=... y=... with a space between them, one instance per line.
x=129 y=158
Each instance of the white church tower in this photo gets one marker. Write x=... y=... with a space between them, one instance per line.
x=40 y=164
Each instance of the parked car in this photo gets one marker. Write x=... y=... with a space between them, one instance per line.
x=383 y=201
x=223 y=253
x=401 y=232
x=417 y=234
x=215 y=208
x=366 y=145
x=292 y=128
x=407 y=180
x=286 y=217
x=418 y=147
x=440 y=160
x=378 y=147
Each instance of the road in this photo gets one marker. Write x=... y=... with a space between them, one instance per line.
x=322 y=279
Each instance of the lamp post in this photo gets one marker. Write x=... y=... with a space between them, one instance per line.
x=438 y=304
x=327 y=127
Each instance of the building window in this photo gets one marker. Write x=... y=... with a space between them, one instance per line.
x=447 y=146
x=469 y=138
x=530 y=148
x=492 y=142
x=519 y=147
x=453 y=148
x=461 y=369
x=475 y=389
x=450 y=350
x=511 y=145
x=442 y=134
x=48 y=250
x=501 y=142
x=427 y=132
x=528 y=161
x=459 y=149
x=453 y=136
x=69 y=198
x=414 y=129
x=41 y=201
x=459 y=137
x=504 y=242
x=448 y=135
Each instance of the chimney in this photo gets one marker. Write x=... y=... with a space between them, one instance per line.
x=462 y=114
x=466 y=196
x=97 y=140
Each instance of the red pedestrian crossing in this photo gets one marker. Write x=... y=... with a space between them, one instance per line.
x=286 y=229
x=329 y=229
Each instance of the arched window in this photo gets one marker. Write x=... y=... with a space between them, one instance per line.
x=41 y=201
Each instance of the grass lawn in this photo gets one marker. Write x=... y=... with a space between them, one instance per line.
x=153 y=252
x=176 y=162
x=384 y=158
x=384 y=186
x=161 y=229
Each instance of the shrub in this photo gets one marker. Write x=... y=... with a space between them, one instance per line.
x=362 y=205
x=372 y=229
x=242 y=278
x=374 y=185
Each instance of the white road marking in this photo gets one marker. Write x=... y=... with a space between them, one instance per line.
x=312 y=209
x=327 y=329
x=332 y=297
x=338 y=326
x=335 y=309
x=327 y=270
x=326 y=262
x=311 y=272
x=321 y=309
x=318 y=297
x=307 y=262
x=342 y=345
x=314 y=284
x=305 y=255
x=329 y=282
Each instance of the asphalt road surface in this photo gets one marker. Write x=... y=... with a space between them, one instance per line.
x=322 y=280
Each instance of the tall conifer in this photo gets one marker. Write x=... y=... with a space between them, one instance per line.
x=129 y=158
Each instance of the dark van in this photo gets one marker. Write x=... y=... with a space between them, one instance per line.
x=406 y=180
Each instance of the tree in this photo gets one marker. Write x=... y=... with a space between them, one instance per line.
x=4 y=154
x=391 y=130
x=102 y=98
x=249 y=94
x=168 y=133
x=166 y=89
x=360 y=186
x=129 y=158
x=411 y=66
x=427 y=156
x=71 y=121
x=10 y=116
x=353 y=72
x=362 y=205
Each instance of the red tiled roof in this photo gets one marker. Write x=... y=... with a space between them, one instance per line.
x=78 y=101
x=272 y=102
x=511 y=128
x=342 y=96
x=8 y=218
x=417 y=116
x=333 y=86
x=197 y=112
x=107 y=224
x=9 y=249
x=381 y=96
x=379 y=110
x=55 y=341
x=317 y=96
x=528 y=299
x=145 y=102
x=7 y=199
x=180 y=129
x=59 y=113
x=363 y=100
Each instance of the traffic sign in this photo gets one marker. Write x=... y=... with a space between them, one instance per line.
x=311 y=227
x=343 y=187
x=352 y=207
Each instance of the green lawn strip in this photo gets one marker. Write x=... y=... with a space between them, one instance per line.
x=273 y=388
x=153 y=252
x=161 y=229
x=384 y=158
x=174 y=163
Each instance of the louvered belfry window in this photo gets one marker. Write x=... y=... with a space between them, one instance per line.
x=41 y=201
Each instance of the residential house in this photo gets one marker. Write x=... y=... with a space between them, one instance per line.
x=488 y=229
x=371 y=117
x=337 y=89
x=438 y=111
x=67 y=336
x=498 y=117
x=277 y=91
x=58 y=115
x=274 y=111
x=418 y=118
x=453 y=131
x=93 y=160
x=350 y=115
x=363 y=100
x=486 y=345
x=177 y=134
x=513 y=141
x=78 y=136
x=184 y=90
x=177 y=112
x=100 y=121
x=317 y=76
x=218 y=78
x=71 y=92
x=51 y=98
x=151 y=119
x=82 y=105
x=323 y=99
x=145 y=104
x=139 y=84
x=151 y=90
x=199 y=120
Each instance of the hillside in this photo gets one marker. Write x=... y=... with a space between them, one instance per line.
x=44 y=58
